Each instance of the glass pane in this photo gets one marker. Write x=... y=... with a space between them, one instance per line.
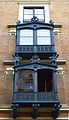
x=43 y=41
x=40 y=17
x=28 y=11
x=43 y=32
x=28 y=17
x=26 y=40
x=25 y=81
x=39 y=11
x=26 y=32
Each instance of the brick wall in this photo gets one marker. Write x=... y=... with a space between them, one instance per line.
x=60 y=14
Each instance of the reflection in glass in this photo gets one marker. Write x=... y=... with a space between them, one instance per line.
x=25 y=81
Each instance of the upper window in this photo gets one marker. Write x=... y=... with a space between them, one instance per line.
x=29 y=12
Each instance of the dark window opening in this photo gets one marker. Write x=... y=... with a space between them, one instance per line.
x=45 y=80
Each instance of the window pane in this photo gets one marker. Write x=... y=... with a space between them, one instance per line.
x=25 y=81
x=26 y=32
x=39 y=11
x=26 y=40
x=43 y=32
x=40 y=17
x=43 y=41
x=28 y=11
x=27 y=17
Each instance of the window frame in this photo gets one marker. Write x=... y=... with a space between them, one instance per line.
x=46 y=10
x=35 y=38
x=23 y=83
x=33 y=9
x=45 y=36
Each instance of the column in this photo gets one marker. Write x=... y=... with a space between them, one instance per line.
x=53 y=59
x=15 y=84
x=35 y=82
x=35 y=86
x=35 y=39
x=55 y=81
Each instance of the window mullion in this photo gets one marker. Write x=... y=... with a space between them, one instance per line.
x=33 y=12
x=34 y=37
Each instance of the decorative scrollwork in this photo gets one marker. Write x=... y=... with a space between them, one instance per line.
x=56 y=110
x=16 y=59
x=14 y=114
x=53 y=58
x=35 y=110
x=18 y=22
x=35 y=59
x=34 y=19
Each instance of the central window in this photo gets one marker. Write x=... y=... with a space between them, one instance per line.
x=42 y=37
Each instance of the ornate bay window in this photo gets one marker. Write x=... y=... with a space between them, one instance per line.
x=35 y=82
x=34 y=37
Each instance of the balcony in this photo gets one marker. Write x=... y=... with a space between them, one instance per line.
x=22 y=50
x=39 y=97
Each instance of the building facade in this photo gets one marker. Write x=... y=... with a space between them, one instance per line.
x=32 y=86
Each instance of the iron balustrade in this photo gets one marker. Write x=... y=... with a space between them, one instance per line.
x=35 y=96
x=33 y=48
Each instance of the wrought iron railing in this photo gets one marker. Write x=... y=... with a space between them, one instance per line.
x=32 y=48
x=32 y=97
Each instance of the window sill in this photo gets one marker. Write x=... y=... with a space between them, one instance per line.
x=14 y=26
x=59 y=62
